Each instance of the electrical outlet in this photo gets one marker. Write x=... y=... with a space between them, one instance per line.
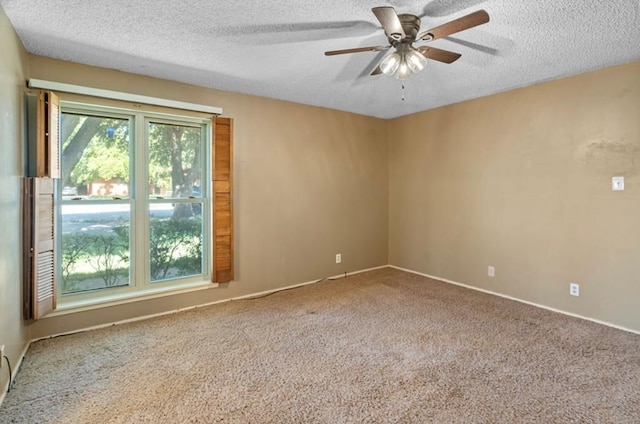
x=574 y=289
x=338 y=258
x=491 y=271
x=1 y=355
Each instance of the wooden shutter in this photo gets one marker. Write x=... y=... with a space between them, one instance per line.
x=48 y=135
x=222 y=200
x=39 y=252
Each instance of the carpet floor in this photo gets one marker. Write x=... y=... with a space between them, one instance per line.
x=384 y=346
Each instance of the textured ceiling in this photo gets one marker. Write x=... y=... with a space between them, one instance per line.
x=275 y=48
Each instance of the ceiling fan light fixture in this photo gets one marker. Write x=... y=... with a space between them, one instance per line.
x=390 y=64
x=402 y=31
x=404 y=62
x=415 y=60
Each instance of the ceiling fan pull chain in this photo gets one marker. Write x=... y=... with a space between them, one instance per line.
x=403 y=92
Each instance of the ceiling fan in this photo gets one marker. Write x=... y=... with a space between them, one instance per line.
x=402 y=32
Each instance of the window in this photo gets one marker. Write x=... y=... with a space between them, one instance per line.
x=120 y=202
x=133 y=202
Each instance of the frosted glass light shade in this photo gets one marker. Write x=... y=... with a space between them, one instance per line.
x=415 y=60
x=404 y=71
x=390 y=64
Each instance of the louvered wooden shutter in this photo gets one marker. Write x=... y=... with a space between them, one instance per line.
x=39 y=252
x=222 y=200
x=48 y=135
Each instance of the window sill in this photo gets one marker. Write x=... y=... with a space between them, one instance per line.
x=70 y=307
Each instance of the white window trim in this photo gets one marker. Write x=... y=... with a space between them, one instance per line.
x=119 y=95
x=135 y=291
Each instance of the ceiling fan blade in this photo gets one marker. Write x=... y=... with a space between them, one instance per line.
x=440 y=55
x=356 y=50
x=468 y=21
x=390 y=22
x=376 y=71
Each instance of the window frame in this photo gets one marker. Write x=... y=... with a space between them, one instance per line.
x=139 y=201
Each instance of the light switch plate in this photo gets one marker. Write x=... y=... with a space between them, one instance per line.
x=617 y=183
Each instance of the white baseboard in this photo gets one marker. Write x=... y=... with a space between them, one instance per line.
x=537 y=305
x=248 y=296
x=267 y=292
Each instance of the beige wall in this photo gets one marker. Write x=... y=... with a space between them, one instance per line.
x=522 y=181
x=309 y=183
x=13 y=68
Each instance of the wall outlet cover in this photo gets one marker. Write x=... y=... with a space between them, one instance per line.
x=574 y=289
x=617 y=183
